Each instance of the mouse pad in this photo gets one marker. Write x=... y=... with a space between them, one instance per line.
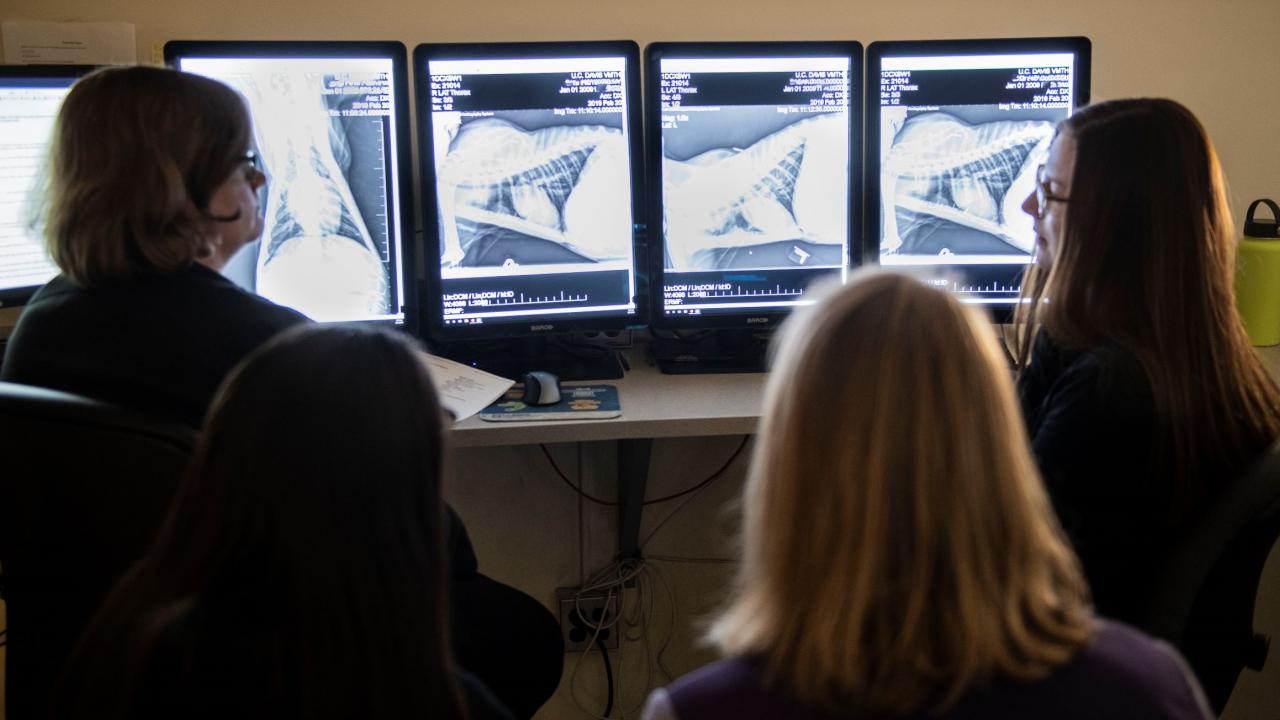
x=577 y=402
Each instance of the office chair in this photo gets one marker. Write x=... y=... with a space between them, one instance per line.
x=83 y=487
x=1204 y=601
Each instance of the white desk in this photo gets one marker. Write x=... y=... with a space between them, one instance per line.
x=657 y=406
x=653 y=406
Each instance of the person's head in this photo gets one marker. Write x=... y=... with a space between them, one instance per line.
x=149 y=171
x=1135 y=233
x=312 y=509
x=1136 y=249
x=899 y=549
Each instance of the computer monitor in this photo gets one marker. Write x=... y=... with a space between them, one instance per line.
x=531 y=188
x=955 y=133
x=331 y=120
x=30 y=96
x=754 y=153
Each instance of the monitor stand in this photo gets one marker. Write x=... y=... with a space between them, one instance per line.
x=513 y=358
x=716 y=351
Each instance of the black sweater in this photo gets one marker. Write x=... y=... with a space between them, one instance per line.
x=160 y=344
x=1090 y=416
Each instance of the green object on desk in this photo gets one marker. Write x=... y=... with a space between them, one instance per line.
x=577 y=402
x=1258 y=276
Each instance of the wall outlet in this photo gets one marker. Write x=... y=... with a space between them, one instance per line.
x=579 y=630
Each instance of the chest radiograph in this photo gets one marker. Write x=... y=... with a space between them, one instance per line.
x=553 y=194
x=950 y=186
x=778 y=200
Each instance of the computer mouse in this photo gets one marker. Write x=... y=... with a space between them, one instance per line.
x=541 y=388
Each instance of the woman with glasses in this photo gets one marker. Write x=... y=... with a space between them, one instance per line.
x=1142 y=396
x=152 y=186
x=900 y=557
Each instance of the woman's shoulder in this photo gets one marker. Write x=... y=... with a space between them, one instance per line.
x=732 y=687
x=217 y=290
x=1123 y=673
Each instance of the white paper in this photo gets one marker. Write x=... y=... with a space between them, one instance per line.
x=464 y=390
x=69 y=43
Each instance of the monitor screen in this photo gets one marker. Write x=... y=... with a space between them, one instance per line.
x=331 y=125
x=530 y=168
x=755 y=154
x=956 y=131
x=29 y=100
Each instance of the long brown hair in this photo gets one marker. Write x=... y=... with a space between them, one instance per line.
x=1147 y=263
x=312 y=515
x=899 y=549
x=136 y=155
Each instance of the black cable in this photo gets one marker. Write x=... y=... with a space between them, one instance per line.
x=608 y=674
x=708 y=481
x=695 y=488
x=581 y=493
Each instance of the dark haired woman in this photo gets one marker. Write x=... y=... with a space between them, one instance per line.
x=152 y=188
x=301 y=571
x=1140 y=391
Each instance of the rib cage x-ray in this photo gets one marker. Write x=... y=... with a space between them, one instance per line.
x=317 y=253
x=514 y=190
x=779 y=199
x=951 y=185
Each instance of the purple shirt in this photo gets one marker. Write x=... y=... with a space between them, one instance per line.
x=1122 y=674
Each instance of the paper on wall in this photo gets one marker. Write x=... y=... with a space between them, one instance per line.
x=464 y=390
x=68 y=43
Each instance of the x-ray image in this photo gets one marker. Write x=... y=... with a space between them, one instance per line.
x=752 y=188
x=324 y=249
x=530 y=187
x=953 y=180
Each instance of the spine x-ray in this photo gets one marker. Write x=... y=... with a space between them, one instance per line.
x=326 y=245
x=748 y=187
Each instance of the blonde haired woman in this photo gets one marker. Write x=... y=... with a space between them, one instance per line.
x=901 y=558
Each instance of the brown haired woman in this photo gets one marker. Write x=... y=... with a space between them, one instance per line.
x=152 y=187
x=900 y=556
x=1141 y=394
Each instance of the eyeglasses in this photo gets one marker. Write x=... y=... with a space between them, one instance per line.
x=252 y=163
x=1043 y=196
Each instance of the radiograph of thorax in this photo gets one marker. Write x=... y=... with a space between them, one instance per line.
x=317 y=254
x=565 y=185
x=788 y=186
x=976 y=176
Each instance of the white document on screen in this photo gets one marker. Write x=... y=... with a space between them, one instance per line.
x=464 y=390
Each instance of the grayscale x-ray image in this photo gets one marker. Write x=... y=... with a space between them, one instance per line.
x=533 y=188
x=752 y=188
x=325 y=245
x=953 y=180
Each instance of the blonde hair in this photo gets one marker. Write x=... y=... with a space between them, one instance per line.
x=136 y=154
x=899 y=548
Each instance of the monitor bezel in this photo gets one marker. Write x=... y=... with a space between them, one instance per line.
x=432 y=302
x=760 y=319
x=1078 y=45
x=17 y=296
x=394 y=50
